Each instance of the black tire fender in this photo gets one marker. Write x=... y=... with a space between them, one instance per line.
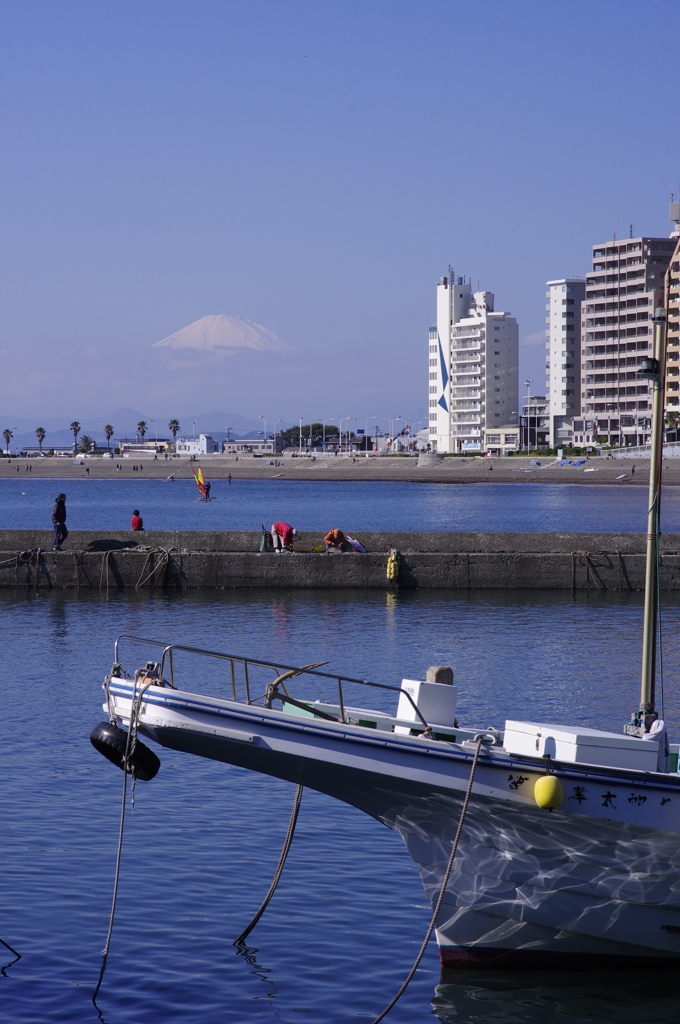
x=111 y=741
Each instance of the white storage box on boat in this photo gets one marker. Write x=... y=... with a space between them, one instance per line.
x=579 y=745
x=436 y=703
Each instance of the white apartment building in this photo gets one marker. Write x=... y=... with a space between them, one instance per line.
x=473 y=368
x=623 y=289
x=563 y=356
x=673 y=300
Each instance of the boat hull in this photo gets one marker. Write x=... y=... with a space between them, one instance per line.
x=594 y=883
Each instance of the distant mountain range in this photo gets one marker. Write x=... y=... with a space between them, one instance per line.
x=124 y=423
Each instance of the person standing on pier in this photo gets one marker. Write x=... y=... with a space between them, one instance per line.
x=59 y=520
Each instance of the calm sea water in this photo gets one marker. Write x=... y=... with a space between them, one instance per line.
x=202 y=844
x=319 y=505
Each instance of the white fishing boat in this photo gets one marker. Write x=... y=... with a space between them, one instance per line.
x=569 y=837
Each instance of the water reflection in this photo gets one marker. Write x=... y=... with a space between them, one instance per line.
x=15 y=956
x=561 y=997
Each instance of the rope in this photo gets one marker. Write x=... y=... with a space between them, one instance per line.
x=445 y=882
x=279 y=867
x=36 y=555
x=163 y=561
x=130 y=744
x=105 y=565
x=121 y=828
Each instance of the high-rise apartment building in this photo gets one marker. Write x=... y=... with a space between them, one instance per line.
x=473 y=367
x=623 y=289
x=672 y=402
x=563 y=363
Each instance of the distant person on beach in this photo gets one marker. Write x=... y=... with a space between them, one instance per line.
x=137 y=523
x=283 y=535
x=59 y=520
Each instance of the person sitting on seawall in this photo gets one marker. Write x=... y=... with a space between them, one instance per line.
x=136 y=523
x=283 y=535
x=59 y=520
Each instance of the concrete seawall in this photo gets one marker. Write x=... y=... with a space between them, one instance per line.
x=101 y=561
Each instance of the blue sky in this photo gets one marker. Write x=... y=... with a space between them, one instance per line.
x=313 y=167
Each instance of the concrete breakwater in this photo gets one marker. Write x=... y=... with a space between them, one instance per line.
x=100 y=561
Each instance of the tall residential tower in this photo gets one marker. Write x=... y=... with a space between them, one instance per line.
x=623 y=289
x=563 y=363
x=473 y=367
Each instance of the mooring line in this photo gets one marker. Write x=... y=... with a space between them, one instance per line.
x=279 y=867
x=442 y=891
x=130 y=744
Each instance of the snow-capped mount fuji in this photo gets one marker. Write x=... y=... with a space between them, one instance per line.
x=222 y=334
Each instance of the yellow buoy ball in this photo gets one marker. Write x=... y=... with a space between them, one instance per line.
x=548 y=792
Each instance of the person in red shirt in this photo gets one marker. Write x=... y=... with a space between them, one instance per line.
x=283 y=535
x=137 y=523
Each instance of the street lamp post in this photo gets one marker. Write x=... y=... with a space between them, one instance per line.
x=366 y=431
x=193 y=430
x=152 y=420
x=527 y=385
x=280 y=420
x=300 y=438
x=265 y=429
x=347 y=431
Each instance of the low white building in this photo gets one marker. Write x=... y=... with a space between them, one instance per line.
x=252 y=446
x=501 y=440
x=204 y=444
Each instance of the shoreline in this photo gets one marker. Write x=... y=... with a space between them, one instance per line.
x=624 y=472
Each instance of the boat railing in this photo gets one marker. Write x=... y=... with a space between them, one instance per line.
x=246 y=664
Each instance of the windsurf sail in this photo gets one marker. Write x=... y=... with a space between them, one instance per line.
x=200 y=482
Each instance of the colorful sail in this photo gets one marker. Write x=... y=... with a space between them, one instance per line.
x=200 y=482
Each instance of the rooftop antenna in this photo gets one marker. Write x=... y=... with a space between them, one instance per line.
x=630 y=231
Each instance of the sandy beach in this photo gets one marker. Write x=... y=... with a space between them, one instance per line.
x=620 y=472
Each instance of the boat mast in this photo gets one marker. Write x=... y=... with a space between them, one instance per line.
x=655 y=370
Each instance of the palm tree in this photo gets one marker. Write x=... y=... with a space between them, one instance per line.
x=75 y=428
x=108 y=434
x=672 y=422
x=174 y=428
x=141 y=428
x=86 y=443
x=40 y=434
x=8 y=435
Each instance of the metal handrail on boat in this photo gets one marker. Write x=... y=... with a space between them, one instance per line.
x=278 y=668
